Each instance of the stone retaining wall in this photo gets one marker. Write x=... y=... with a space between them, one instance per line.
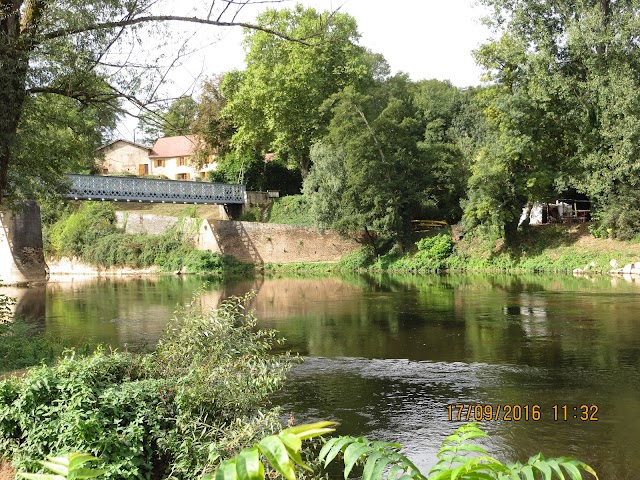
x=272 y=243
x=21 y=254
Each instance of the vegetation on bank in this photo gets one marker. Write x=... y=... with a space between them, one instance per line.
x=201 y=396
x=546 y=248
x=90 y=234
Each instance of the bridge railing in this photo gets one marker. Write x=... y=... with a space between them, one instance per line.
x=97 y=187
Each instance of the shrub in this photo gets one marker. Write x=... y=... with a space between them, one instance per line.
x=291 y=210
x=174 y=412
x=91 y=222
x=361 y=258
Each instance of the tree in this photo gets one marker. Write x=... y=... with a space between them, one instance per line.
x=212 y=127
x=374 y=139
x=274 y=102
x=177 y=119
x=571 y=70
x=72 y=48
x=446 y=144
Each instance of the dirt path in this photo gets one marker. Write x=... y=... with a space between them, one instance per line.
x=7 y=472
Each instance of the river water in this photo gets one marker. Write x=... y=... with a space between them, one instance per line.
x=386 y=356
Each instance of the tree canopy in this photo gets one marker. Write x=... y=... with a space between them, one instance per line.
x=274 y=102
x=565 y=109
x=176 y=119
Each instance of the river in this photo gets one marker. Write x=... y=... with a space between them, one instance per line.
x=386 y=356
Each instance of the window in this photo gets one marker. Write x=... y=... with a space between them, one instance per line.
x=182 y=161
x=160 y=163
x=182 y=176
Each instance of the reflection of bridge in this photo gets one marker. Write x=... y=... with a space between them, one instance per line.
x=134 y=189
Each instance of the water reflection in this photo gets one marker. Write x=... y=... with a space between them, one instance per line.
x=386 y=354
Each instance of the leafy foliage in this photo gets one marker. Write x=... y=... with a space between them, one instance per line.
x=459 y=458
x=68 y=467
x=390 y=155
x=376 y=456
x=169 y=121
x=91 y=235
x=274 y=102
x=22 y=345
x=564 y=110
x=256 y=174
x=283 y=451
x=174 y=412
x=291 y=210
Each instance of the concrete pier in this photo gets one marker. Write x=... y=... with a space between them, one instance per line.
x=21 y=254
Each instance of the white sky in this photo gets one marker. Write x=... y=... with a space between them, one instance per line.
x=424 y=38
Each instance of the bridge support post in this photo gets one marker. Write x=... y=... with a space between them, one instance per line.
x=234 y=211
x=21 y=250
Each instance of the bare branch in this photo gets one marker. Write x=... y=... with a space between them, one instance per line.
x=166 y=18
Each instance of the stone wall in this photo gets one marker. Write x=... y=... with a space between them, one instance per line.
x=153 y=224
x=21 y=254
x=272 y=243
x=248 y=241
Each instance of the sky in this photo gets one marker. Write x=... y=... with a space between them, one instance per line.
x=423 y=38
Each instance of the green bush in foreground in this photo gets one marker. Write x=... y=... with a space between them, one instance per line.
x=170 y=414
x=458 y=459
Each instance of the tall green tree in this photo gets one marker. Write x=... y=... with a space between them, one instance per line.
x=372 y=138
x=274 y=102
x=74 y=49
x=176 y=119
x=569 y=99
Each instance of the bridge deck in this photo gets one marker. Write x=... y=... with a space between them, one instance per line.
x=134 y=189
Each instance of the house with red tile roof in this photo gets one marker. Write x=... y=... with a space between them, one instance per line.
x=171 y=157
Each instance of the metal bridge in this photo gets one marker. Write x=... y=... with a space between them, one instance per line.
x=151 y=190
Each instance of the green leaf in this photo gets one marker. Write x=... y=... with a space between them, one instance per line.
x=528 y=472
x=308 y=428
x=60 y=460
x=248 y=465
x=55 y=467
x=572 y=470
x=554 y=465
x=87 y=472
x=369 y=467
x=293 y=444
x=394 y=471
x=77 y=459
x=40 y=476
x=226 y=470
x=275 y=451
x=291 y=441
x=327 y=447
x=352 y=454
x=543 y=467
x=467 y=447
x=335 y=449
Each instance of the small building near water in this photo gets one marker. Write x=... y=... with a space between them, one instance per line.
x=563 y=211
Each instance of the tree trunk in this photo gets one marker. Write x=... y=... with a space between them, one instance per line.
x=511 y=230
x=14 y=63
x=372 y=241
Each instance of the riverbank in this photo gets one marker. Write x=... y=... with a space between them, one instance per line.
x=545 y=248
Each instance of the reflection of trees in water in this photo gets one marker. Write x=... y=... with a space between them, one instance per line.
x=29 y=303
x=119 y=311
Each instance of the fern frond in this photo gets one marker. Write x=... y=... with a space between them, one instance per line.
x=375 y=456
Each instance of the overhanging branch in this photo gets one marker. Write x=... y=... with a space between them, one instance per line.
x=165 y=18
